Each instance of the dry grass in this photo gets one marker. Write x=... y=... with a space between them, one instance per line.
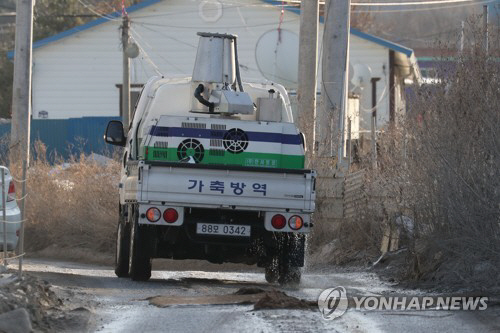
x=442 y=166
x=441 y=169
x=454 y=170
x=72 y=208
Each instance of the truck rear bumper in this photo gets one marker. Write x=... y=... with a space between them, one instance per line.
x=185 y=242
x=193 y=215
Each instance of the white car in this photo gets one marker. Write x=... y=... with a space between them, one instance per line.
x=13 y=214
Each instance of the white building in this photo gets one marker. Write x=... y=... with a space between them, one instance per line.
x=78 y=72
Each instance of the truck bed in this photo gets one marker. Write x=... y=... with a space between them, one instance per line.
x=236 y=187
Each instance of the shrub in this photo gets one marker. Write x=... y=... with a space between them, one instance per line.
x=445 y=163
x=73 y=204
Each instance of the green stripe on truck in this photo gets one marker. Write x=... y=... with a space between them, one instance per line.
x=221 y=156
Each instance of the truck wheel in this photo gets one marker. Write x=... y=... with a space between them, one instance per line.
x=272 y=271
x=289 y=275
x=289 y=270
x=140 y=261
x=122 y=248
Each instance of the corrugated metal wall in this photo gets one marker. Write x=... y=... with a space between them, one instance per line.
x=67 y=136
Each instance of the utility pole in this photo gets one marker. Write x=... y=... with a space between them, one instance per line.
x=126 y=116
x=329 y=140
x=308 y=63
x=19 y=150
x=21 y=88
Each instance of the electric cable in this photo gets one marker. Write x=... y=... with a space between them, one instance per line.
x=107 y=17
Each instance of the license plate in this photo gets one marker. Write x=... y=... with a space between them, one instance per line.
x=223 y=229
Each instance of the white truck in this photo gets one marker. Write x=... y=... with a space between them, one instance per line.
x=213 y=169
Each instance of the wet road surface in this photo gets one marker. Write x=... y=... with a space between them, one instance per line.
x=121 y=305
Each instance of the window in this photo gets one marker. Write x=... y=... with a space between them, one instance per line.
x=135 y=92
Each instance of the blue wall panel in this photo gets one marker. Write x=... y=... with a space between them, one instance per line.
x=67 y=136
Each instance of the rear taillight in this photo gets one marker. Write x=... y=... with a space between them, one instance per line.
x=153 y=214
x=278 y=221
x=170 y=215
x=295 y=222
x=12 y=192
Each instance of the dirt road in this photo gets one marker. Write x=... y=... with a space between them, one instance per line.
x=122 y=305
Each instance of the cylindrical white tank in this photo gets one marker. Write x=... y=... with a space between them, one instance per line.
x=215 y=59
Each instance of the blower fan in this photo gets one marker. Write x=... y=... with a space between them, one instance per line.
x=235 y=141
x=191 y=148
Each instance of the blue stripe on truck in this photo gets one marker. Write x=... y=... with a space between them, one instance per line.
x=290 y=139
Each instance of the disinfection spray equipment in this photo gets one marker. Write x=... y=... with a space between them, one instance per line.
x=216 y=82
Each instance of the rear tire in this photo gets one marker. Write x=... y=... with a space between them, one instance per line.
x=272 y=271
x=289 y=272
x=122 y=252
x=290 y=275
x=140 y=260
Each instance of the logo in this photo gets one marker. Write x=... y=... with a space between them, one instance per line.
x=332 y=303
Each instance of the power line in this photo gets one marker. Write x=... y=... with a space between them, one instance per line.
x=107 y=17
x=431 y=3
x=422 y=37
x=409 y=3
x=148 y=58
x=398 y=4
x=218 y=27
x=421 y=9
x=195 y=11
x=167 y=36
x=460 y=3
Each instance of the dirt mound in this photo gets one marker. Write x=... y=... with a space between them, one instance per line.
x=249 y=291
x=166 y=301
x=262 y=299
x=29 y=293
x=275 y=299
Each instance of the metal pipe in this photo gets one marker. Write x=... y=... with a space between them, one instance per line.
x=126 y=116
x=349 y=147
x=198 y=95
x=4 y=220
x=374 y=122
x=23 y=217
x=237 y=63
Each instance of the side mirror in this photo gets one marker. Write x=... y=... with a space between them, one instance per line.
x=114 y=133
x=303 y=141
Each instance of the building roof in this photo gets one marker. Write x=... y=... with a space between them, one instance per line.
x=407 y=54
x=88 y=25
x=377 y=40
x=374 y=39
